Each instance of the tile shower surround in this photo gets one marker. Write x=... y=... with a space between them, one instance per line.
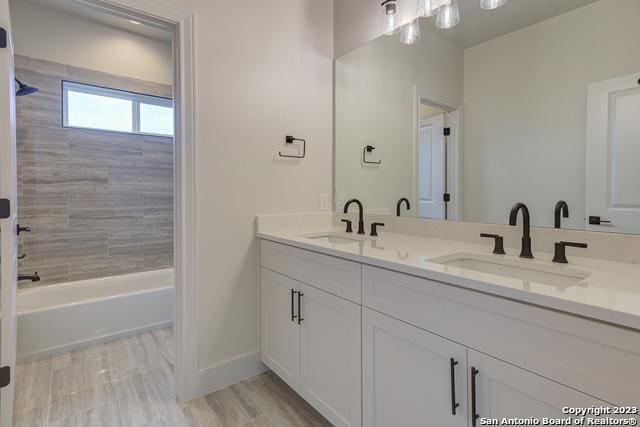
x=99 y=203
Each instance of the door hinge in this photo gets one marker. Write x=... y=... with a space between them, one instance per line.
x=447 y=131
x=447 y=197
x=5 y=376
x=5 y=208
x=3 y=38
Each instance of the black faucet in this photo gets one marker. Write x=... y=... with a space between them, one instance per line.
x=526 y=226
x=360 y=213
x=32 y=277
x=399 y=204
x=561 y=208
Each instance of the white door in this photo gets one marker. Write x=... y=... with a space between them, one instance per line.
x=330 y=356
x=8 y=237
x=613 y=155
x=280 y=333
x=408 y=378
x=504 y=390
x=431 y=168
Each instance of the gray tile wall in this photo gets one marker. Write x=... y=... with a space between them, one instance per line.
x=99 y=203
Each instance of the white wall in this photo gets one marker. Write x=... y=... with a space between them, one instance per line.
x=375 y=106
x=46 y=33
x=525 y=109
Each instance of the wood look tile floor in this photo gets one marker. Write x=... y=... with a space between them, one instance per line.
x=130 y=382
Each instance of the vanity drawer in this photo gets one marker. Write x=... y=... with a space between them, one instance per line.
x=334 y=275
x=592 y=357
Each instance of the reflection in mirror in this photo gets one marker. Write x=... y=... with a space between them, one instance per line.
x=535 y=102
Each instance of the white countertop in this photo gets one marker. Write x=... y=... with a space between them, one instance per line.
x=610 y=294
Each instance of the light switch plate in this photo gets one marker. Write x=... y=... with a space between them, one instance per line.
x=324 y=202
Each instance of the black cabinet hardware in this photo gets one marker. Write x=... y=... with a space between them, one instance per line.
x=289 y=140
x=374 y=228
x=293 y=314
x=525 y=252
x=5 y=376
x=21 y=229
x=454 y=404
x=562 y=208
x=23 y=256
x=474 y=409
x=349 y=228
x=300 y=295
x=369 y=149
x=596 y=220
x=3 y=40
x=560 y=253
x=5 y=208
x=498 y=246
x=399 y=205
x=360 y=213
x=446 y=131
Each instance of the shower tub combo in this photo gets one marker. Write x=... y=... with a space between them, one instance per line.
x=58 y=318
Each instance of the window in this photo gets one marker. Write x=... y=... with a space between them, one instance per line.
x=93 y=107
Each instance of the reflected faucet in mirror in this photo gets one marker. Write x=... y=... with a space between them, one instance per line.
x=525 y=252
x=561 y=208
x=399 y=205
x=360 y=213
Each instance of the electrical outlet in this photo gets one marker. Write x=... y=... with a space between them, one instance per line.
x=324 y=202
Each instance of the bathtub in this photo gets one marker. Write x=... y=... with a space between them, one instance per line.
x=58 y=318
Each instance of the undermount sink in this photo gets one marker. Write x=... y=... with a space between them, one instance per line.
x=335 y=238
x=529 y=271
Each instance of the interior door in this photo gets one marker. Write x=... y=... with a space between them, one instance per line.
x=431 y=168
x=330 y=368
x=613 y=155
x=280 y=333
x=410 y=377
x=8 y=236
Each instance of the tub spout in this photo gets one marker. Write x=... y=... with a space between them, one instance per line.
x=34 y=278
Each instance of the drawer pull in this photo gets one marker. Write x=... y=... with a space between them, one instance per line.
x=300 y=319
x=454 y=404
x=293 y=315
x=474 y=412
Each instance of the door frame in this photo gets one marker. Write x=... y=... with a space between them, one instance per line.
x=182 y=23
x=453 y=150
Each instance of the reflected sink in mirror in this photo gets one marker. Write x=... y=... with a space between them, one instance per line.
x=336 y=238
x=529 y=271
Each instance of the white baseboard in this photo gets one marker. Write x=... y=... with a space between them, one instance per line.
x=229 y=372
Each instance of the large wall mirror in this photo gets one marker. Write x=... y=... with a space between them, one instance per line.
x=537 y=101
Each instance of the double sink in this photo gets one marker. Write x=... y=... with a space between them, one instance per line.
x=559 y=276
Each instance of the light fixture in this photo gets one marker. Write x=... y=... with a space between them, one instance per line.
x=389 y=17
x=492 y=4
x=427 y=8
x=411 y=32
x=448 y=16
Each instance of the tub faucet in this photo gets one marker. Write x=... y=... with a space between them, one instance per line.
x=360 y=213
x=34 y=278
x=526 y=228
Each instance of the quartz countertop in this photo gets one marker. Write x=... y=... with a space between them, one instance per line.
x=610 y=293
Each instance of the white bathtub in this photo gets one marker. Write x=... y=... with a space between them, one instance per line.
x=58 y=318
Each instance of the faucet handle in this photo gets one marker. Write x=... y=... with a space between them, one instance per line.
x=374 y=228
x=498 y=247
x=560 y=253
x=349 y=228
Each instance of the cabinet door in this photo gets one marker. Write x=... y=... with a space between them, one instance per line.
x=330 y=356
x=408 y=378
x=504 y=390
x=280 y=333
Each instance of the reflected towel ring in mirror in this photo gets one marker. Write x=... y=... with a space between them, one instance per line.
x=289 y=140
x=369 y=149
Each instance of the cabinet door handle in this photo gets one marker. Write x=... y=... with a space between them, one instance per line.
x=454 y=404
x=300 y=319
x=474 y=412
x=293 y=315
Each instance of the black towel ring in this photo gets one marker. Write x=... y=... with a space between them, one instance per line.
x=289 y=140
x=369 y=149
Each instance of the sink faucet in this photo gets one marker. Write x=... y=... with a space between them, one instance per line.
x=360 y=213
x=526 y=225
x=399 y=205
x=561 y=208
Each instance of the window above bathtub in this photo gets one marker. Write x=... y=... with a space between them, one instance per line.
x=99 y=108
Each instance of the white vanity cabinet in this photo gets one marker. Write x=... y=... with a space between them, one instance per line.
x=410 y=377
x=310 y=337
x=377 y=348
